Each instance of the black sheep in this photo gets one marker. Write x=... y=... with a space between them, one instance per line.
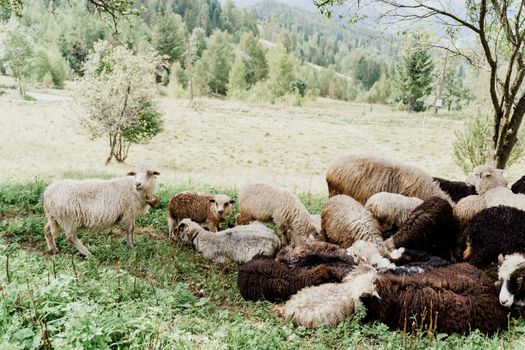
x=264 y=278
x=430 y=227
x=455 y=189
x=519 y=186
x=494 y=231
x=457 y=298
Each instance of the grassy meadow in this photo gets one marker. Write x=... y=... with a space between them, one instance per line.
x=162 y=295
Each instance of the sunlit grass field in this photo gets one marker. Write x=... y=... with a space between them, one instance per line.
x=161 y=295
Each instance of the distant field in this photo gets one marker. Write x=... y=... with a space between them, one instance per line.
x=226 y=143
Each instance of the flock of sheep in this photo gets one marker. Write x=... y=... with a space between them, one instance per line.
x=410 y=248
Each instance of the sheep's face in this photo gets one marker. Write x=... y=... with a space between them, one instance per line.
x=187 y=230
x=485 y=177
x=511 y=273
x=145 y=179
x=221 y=206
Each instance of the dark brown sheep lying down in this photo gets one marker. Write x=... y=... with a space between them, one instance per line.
x=459 y=297
x=263 y=278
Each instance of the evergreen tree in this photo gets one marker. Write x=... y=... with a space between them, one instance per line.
x=168 y=36
x=414 y=79
x=367 y=72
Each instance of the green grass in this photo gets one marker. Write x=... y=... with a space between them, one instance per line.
x=158 y=295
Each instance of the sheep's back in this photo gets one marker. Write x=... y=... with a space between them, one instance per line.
x=463 y=297
x=191 y=205
x=494 y=231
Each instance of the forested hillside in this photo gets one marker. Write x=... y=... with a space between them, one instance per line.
x=264 y=52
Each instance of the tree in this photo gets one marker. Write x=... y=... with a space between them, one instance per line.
x=16 y=50
x=281 y=75
x=498 y=28
x=237 y=78
x=455 y=93
x=117 y=91
x=414 y=79
x=212 y=70
x=110 y=9
x=254 y=58
x=196 y=44
x=169 y=36
x=367 y=72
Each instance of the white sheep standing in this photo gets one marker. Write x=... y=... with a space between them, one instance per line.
x=264 y=202
x=391 y=210
x=240 y=243
x=98 y=204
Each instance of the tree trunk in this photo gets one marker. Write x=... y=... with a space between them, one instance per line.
x=441 y=83
x=509 y=134
x=20 y=87
x=112 y=144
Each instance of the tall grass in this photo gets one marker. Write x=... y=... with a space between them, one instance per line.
x=158 y=295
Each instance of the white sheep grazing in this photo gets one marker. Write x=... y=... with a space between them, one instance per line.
x=492 y=186
x=240 y=243
x=264 y=202
x=207 y=208
x=330 y=303
x=97 y=204
x=391 y=210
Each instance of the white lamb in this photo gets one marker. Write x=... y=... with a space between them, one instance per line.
x=240 y=243
x=98 y=204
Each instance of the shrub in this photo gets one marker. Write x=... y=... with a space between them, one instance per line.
x=472 y=144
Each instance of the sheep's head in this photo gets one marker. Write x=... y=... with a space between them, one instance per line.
x=221 y=205
x=485 y=177
x=511 y=272
x=369 y=253
x=187 y=230
x=145 y=179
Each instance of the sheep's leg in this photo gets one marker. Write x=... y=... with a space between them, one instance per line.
x=129 y=235
x=51 y=231
x=172 y=224
x=72 y=236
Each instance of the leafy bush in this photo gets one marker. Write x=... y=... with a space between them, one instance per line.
x=472 y=144
x=49 y=69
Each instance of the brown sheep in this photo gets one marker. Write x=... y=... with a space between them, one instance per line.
x=456 y=298
x=199 y=207
x=363 y=176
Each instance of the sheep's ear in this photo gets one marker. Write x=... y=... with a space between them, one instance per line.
x=212 y=200
x=232 y=201
x=131 y=173
x=500 y=259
